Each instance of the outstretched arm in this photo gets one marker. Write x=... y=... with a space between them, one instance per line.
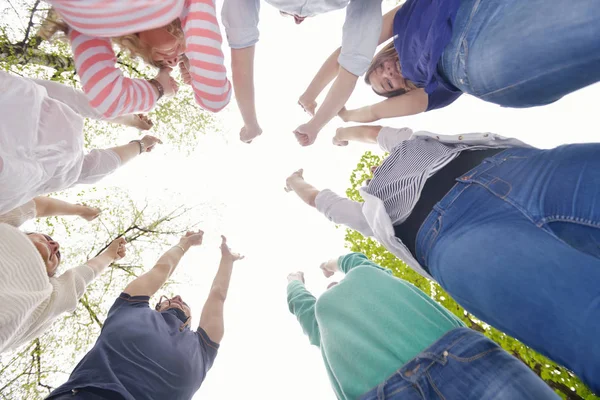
x=211 y=320
x=301 y=303
x=242 y=68
x=360 y=133
x=151 y=281
x=49 y=207
x=411 y=103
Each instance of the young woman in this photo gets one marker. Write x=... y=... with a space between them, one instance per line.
x=161 y=33
x=511 y=232
x=512 y=53
x=28 y=265
x=47 y=153
x=383 y=338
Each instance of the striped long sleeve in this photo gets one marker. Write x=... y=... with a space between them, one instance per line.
x=93 y=22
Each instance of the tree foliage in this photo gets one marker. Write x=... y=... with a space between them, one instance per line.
x=564 y=382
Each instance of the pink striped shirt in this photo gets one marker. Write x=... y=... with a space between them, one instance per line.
x=93 y=22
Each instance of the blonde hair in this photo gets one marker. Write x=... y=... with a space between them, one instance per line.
x=53 y=25
x=388 y=52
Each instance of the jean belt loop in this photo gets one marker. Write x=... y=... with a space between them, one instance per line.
x=381 y=391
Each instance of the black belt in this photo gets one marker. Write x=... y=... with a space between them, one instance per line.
x=435 y=189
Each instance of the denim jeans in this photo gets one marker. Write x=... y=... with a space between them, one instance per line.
x=516 y=242
x=520 y=53
x=463 y=365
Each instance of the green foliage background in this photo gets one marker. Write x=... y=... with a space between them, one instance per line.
x=564 y=382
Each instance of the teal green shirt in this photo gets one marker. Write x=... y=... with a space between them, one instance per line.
x=368 y=325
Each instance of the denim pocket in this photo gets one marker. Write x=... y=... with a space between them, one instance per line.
x=429 y=240
x=472 y=349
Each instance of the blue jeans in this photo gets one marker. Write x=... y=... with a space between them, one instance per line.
x=463 y=365
x=523 y=53
x=516 y=242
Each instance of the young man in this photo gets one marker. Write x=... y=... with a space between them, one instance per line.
x=151 y=354
x=361 y=35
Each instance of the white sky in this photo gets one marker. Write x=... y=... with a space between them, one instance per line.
x=264 y=353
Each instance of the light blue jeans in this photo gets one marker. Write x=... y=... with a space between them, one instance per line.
x=463 y=365
x=516 y=242
x=523 y=53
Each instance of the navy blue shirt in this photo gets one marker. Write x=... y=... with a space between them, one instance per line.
x=422 y=29
x=142 y=355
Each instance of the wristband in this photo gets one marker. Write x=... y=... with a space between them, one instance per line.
x=181 y=247
x=141 y=145
x=158 y=86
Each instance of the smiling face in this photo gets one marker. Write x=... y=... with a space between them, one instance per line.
x=166 y=48
x=48 y=249
x=386 y=78
x=177 y=302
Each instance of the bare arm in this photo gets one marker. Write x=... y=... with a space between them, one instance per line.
x=151 y=281
x=242 y=68
x=360 y=133
x=131 y=150
x=115 y=251
x=211 y=319
x=324 y=76
x=304 y=190
x=411 y=103
x=49 y=207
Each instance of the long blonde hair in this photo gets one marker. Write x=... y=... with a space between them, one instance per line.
x=53 y=25
x=388 y=52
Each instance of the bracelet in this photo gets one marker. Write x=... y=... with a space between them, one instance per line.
x=181 y=247
x=141 y=145
x=158 y=86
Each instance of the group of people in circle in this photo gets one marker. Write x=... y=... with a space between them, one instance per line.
x=510 y=231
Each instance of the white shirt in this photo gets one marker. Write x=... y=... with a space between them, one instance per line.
x=360 y=32
x=31 y=300
x=371 y=217
x=41 y=140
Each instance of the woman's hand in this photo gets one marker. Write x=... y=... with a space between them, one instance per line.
x=116 y=250
x=329 y=268
x=88 y=213
x=148 y=143
x=290 y=179
x=191 y=238
x=249 y=133
x=309 y=105
x=169 y=84
x=337 y=139
x=142 y=122
x=296 y=276
x=306 y=134
x=226 y=251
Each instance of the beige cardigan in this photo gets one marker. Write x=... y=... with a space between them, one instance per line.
x=31 y=301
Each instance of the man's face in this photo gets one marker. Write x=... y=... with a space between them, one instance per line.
x=48 y=249
x=174 y=302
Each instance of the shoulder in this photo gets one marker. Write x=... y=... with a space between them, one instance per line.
x=125 y=300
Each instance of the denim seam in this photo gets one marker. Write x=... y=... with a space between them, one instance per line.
x=399 y=390
x=433 y=385
x=463 y=41
x=473 y=358
x=563 y=218
x=495 y=180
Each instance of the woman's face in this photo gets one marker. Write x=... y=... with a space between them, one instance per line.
x=387 y=77
x=48 y=249
x=166 y=48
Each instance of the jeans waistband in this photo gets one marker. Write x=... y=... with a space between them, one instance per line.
x=437 y=353
x=430 y=223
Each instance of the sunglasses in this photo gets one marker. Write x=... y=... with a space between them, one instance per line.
x=160 y=301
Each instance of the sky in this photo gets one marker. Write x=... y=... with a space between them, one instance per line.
x=264 y=353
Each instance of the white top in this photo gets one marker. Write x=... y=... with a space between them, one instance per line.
x=31 y=300
x=41 y=141
x=408 y=178
x=360 y=33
